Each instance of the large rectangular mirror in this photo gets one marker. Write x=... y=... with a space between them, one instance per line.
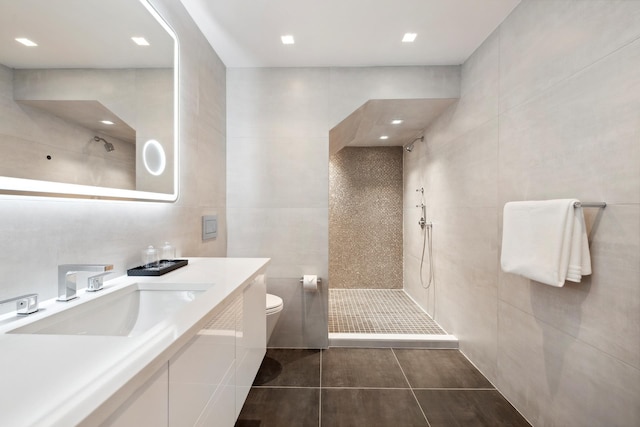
x=88 y=100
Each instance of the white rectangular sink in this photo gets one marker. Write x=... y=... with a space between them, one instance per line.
x=128 y=312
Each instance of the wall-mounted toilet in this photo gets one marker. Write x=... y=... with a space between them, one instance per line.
x=274 y=307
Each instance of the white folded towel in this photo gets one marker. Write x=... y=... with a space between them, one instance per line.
x=580 y=259
x=545 y=241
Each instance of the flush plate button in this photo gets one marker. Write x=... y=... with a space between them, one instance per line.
x=209 y=227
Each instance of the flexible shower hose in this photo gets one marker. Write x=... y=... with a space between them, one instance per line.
x=427 y=236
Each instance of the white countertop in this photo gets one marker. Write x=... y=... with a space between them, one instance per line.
x=51 y=380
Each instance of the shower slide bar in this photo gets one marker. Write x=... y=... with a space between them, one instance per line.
x=590 y=204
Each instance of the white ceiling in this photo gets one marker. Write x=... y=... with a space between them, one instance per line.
x=246 y=33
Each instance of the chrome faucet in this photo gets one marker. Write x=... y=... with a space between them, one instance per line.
x=25 y=304
x=67 y=285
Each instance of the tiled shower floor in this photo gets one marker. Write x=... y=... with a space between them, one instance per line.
x=378 y=311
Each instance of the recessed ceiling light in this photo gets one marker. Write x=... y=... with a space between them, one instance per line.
x=107 y=122
x=26 y=42
x=140 y=41
x=396 y=121
x=288 y=39
x=384 y=137
x=409 y=37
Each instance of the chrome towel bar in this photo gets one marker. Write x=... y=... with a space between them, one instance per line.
x=590 y=204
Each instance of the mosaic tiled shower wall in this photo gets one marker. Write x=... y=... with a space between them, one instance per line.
x=365 y=218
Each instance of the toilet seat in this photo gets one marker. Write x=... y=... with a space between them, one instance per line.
x=274 y=304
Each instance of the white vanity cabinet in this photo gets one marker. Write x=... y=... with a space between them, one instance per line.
x=200 y=374
x=251 y=338
x=210 y=377
x=148 y=406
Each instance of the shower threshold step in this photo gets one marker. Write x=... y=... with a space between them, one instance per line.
x=392 y=340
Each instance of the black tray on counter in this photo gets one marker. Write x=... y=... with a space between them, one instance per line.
x=163 y=267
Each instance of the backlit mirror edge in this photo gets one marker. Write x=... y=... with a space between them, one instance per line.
x=32 y=187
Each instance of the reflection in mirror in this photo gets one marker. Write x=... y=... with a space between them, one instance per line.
x=81 y=98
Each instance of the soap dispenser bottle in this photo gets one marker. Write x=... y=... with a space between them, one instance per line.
x=168 y=253
x=149 y=257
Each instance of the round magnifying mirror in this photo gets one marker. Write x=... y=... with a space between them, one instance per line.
x=154 y=157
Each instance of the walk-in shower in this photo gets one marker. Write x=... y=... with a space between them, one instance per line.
x=370 y=218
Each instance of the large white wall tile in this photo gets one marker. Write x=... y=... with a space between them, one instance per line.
x=556 y=379
x=421 y=291
x=296 y=239
x=481 y=69
x=577 y=139
x=465 y=253
x=277 y=102
x=463 y=172
x=278 y=172
x=545 y=42
x=210 y=162
x=479 y=100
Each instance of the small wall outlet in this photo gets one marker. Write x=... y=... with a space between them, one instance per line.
x=209 y=227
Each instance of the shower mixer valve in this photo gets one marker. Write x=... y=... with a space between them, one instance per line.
x=423 y=219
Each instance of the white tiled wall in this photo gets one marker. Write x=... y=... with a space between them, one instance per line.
x=37 y=234
x=549 y=109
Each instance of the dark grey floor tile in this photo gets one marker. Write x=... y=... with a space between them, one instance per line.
x=281 y=407
x=370 y=407
x=461 y=408
x=439 y=369
x=361 y=367
x=289 y=367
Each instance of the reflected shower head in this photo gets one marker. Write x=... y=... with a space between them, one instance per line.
x=107 y=145
x=409 y=147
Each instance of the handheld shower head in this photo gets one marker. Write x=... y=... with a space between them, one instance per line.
x=107 y=145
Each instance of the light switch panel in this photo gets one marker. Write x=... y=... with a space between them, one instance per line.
x=209 y=227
